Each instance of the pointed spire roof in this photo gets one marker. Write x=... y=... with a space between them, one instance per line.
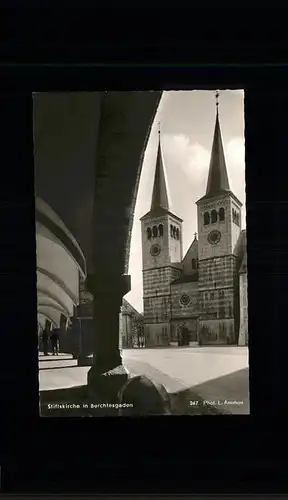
x=218 y=182
x=217 y=177
x=160 y=202
x=160 y=197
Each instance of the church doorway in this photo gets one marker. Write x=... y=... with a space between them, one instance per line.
x=183 y=337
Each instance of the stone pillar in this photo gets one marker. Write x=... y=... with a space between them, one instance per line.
x=87 y=333
x=62 y=336
x=84 y=314
x=107 y=374
x=74 y=338
x=121 y=143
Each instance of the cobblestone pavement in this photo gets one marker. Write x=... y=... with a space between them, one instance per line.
x=216 y=377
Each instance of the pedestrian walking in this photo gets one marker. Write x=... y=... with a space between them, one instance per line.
x=55 y=341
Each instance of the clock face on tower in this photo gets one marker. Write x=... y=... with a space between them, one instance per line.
x=155 y=250
x=214 y=237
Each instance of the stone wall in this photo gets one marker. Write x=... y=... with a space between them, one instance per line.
x=157 y=334
x=157 y=301
x=229 y=230
x=176 y=326
x=218 y=300
x=216 y=331
x=180 y=307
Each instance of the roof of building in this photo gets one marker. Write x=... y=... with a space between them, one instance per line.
x=160 y=194
x=129 y=309
x=158 y=212
x=160 y=203
x=186 y=278
x=217 y=177
x=243 y=267
x=194 y=244
x=241 y=244
x=218 y=181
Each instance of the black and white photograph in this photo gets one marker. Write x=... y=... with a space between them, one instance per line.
x=142 y=291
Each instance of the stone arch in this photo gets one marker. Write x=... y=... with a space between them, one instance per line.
x=117 y=163
x=148 y=108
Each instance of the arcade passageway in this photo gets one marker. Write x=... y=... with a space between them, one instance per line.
x=89 y=149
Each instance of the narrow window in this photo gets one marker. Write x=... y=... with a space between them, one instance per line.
x=206 y=218
x=155 y=231
x=194 y=264
x=161 y=229
x=149 y=233
x=174 y=232
x=213 y=216
x=171 y=230
x=177 y=234
x=221 y=214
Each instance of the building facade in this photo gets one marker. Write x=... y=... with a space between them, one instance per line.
x=201 y=297
x=131 y=327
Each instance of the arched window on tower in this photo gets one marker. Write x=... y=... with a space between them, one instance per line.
x=206 y=218
x=221 y=214
x=174 y=232
x=171 y=230
x=149 y=233
x=233 y=215
x=161 y=229
x=177 y=234
x=213 y=216
x=194 y=264
x=155 y=231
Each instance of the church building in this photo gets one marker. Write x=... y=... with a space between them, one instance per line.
x=201 y=297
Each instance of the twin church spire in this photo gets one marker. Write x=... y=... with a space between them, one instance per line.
x=160 y=198
x=217 y=177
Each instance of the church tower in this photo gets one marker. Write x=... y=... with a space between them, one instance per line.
x=161 y=258
x=219 y=227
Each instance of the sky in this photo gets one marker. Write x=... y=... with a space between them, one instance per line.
x=187 y=120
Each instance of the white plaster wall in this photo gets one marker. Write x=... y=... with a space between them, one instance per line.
x=41 y=319
x=46 y=283
x=51 y=313
x=48 y=301
x=55 y=259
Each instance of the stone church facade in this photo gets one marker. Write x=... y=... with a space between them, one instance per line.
x=202 y=297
